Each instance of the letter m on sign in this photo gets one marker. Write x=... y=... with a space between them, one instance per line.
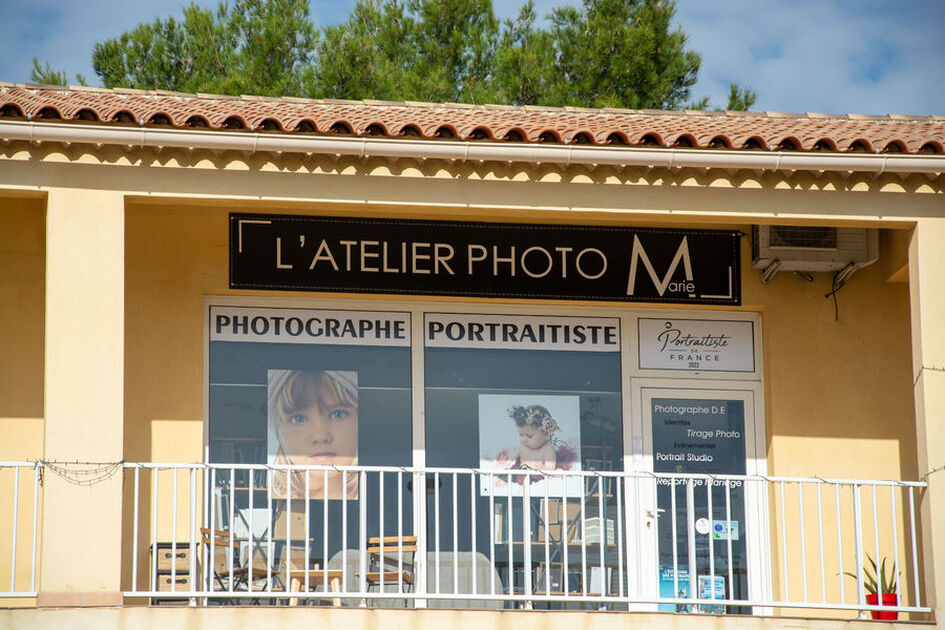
x=638 y=254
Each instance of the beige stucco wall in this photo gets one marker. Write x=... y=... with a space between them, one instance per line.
x=827 y=382
x=285 y=618
x=838 y=394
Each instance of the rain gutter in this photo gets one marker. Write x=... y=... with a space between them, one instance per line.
x=565 y=155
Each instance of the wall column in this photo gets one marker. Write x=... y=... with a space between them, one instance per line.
x=927 y=293
x=84 y=389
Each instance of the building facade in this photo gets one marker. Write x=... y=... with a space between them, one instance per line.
x=610 y=345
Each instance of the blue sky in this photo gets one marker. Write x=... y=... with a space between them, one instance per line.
x=827 y=56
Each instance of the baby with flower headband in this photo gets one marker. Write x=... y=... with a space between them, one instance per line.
x=539 y=448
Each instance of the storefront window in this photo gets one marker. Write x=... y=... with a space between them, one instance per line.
x=508 y=394
x=307 y=388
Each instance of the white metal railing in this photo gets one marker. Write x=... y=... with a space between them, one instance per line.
x=20 y=497
x=518 y=538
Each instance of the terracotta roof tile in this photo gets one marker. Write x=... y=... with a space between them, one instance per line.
x=699 y=129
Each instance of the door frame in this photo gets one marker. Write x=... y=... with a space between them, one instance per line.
x=756 y=529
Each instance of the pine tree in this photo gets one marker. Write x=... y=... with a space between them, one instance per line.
x=250 y=47
x=605 y=53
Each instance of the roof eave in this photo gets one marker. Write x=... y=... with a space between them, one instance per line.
x=565 y=155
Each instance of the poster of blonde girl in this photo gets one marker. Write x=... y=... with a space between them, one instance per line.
x=313 y=421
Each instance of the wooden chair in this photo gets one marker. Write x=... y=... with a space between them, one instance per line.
x=396 y=566
x=227 y=567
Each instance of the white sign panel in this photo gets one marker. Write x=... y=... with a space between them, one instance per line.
x=287 y=325
x=583 y=334
x=696 y=345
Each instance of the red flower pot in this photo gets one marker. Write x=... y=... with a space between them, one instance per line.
x=889 y=599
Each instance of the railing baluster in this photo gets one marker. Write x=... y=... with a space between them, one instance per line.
x=307 y=531
x=709 y=484
x=728 y=537
x=253 y=543
x=362 y=533
x=620 y=536
x=15 y=515
x=381 y=531
x=192 y=541
x=784 y=545
x=154 y=528
x=455 y=534
x=344 y=529
x=820 y=532
x=803 y=532
x=895 y=530
x=547 y=536
x=233 y=551
x=492 y=540
x=527 y=536
x=211 y=560
x=691 y=527
x=675 y=537
x=836 y=492
x=472 y=530
x=858 y=538
x=174 y=482
x=508 y=514
x=879 y=584
x=400 y=531
x=565 y=537
x=602 y=520
x=436 y=533
x=583 y=510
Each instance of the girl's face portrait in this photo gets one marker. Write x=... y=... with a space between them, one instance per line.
x=321 y=428
x=531 y=437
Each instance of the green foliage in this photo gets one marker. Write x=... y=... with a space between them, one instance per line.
x=524 y=61
x=252 y=46
x=740 y=99
x=418 y=50
x=47 y=75
x=606 y=53
x=621 y=53
x=874 y=577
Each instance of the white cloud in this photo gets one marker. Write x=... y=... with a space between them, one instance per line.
x=835 y=57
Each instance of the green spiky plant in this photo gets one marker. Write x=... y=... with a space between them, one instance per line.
x=875 y=578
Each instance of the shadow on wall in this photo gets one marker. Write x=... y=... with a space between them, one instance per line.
x=22 y=326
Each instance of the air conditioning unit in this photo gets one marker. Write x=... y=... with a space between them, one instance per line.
x=805 y=249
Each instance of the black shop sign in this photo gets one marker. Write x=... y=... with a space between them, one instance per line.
x=570 y=262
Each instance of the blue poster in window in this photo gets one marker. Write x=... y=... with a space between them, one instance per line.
x=674 y=584
x=711 y=587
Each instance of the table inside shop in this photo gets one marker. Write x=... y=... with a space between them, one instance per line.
x=548 y=571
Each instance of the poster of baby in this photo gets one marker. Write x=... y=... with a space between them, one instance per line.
x=529 y=432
